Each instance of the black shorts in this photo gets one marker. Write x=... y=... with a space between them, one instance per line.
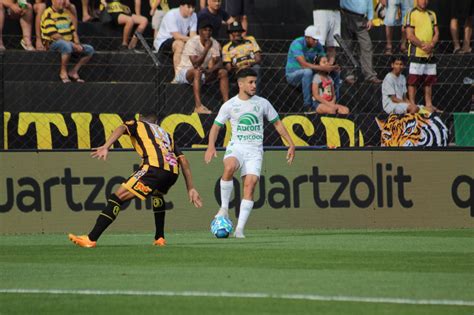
x=237 y=7
x=461 y=9
x=149 y=179
x=115 y=17
x=167 y=46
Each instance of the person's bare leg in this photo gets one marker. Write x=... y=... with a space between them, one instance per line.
x=194 y=76
x=428 y=97
x=245 y=24
x=389 y=35
x=142 y=23
x=63 y=70
x=39 y=8
x=466 y=44
x=403 y=44
x=86 y=17
x=177 y=48
x=26 y=23
x=224 y=84
x=2 y=22
x=454 y=28
x=74 y=73
x=127 y=23
x=412 y=93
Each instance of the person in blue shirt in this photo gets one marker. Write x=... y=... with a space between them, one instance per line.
x=356 y=21
x=299 y=64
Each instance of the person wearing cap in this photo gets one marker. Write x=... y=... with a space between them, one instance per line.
x=241 y=52
x=299 y=65
x=201 y=64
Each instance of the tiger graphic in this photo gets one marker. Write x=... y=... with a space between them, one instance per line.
x=413 y=130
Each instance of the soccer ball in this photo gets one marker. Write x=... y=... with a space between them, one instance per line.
x=221 y=227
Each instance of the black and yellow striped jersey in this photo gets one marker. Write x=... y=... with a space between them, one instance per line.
x=155 y=146
x=116 y=6
x=53 y=22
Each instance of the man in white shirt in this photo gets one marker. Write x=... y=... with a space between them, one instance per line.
x=177 y=27
x=201 y=63
x=245 y=149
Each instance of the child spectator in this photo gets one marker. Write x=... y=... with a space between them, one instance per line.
x=59 y=34
x=122 y=15
x=324 y=98
x=201 y=64
x=158 y=9
x=17 y=10
x=394 y=90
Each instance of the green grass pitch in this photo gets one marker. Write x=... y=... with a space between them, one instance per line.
x=269 y=272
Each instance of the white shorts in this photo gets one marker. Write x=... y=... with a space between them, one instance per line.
x=181 y=77
x=156 y=19
x=328 y=24
x=395 y=108
x=422 y=68
x=250 y=159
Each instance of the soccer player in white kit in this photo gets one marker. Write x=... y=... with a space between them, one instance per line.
x=245 y=150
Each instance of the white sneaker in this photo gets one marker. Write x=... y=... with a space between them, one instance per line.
x=239 y=233
x=222 y=213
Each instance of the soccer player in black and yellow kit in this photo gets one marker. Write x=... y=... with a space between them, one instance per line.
x=161 y=160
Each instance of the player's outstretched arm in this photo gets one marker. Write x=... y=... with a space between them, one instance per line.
x=280 y=128
x=211 y=146
x=102 y=151
x=193 y=194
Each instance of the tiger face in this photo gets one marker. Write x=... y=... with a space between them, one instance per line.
x=402 y=131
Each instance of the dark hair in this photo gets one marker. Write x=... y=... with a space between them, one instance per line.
x=247 y=72
x=318 y=58
x=191 y=3
x=401 y=58
x=150 y=117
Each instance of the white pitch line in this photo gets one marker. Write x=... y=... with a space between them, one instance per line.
x=256 y=295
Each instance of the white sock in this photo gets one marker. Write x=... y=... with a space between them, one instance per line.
x=227 y=186
x=245 y=209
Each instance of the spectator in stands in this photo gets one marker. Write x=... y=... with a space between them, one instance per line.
x=392 y=19
x=461 y=11
x=394 y=90
x=39 y=7
x=423 y=34
x=356 y=16
x=201 y=64
x=241 y=52
x=17 y=10
x=214 y=13
x=122 y=15
x=299 y=64
x=158 y=9
x=327 y=20
x=324 y=97
x=238 y=9
x=177 y=27
x=59 y=34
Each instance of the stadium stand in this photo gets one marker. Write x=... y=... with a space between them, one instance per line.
x=129 y=82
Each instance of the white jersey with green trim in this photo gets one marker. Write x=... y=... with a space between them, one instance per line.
x=246 y=119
